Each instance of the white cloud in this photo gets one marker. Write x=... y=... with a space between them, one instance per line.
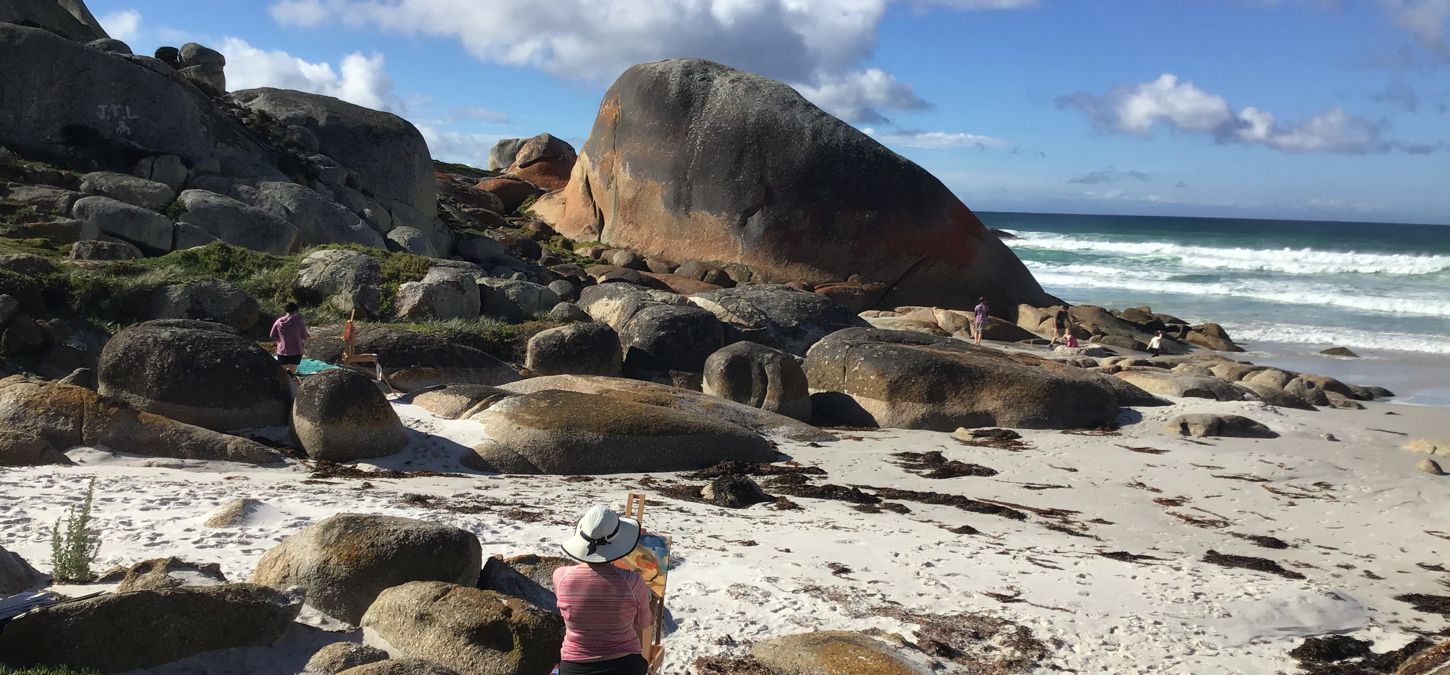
x=1108 y=175
x=934 y=140
x=1428 y=21
x=478 y=114
x=124 y=25
x=817 y=45
x=357 y=78
x=1167 y=101
x=458 y=146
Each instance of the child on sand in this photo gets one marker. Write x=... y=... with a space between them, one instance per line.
x=289 y=331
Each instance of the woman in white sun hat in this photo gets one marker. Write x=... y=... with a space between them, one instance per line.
x=605 y=608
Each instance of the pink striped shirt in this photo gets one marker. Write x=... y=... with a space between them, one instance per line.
x=604 y=609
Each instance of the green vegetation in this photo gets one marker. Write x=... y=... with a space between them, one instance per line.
x=74 y=548
x=498 y=339
x=44 y=670
x=464 y=170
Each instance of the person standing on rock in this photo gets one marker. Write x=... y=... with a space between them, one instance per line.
x=1155 y=345
x=605 y=608
x=289 y=331
x=979 y=319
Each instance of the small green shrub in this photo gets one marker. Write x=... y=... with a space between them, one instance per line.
x=74 y=548
x=504 y=341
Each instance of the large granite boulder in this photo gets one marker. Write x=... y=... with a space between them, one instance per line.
x=662 y=338
x=502 y=155
x=340 y=656
x=545 y=161
x=16 y=575
x=341 y=416
x=457 y=401
x=466 y=629
x=318 y=219
x=65 y=416
x=565 y=432
x=237 y=223
x=413 y=360
x=18 y=448
x=444 y=293
x=1212 y=336
x=833 y=653
x=663 y=174
x=614 y=304
x=1163 y=383
x=148 y=230
x=872 y=377
x=345 y=280
x=147 y=194
x=777 y=316
x=120 y=632
x=345 y=561
x=67 y=18
x=196 y=372
x=515 y=301
x=581 y=349
x=385 y=152
x=212 y=300
x=675 y=398
x=761 y=377
x=86 y=104
x=159 y=573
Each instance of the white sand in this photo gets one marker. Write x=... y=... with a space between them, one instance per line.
x=1356 y=512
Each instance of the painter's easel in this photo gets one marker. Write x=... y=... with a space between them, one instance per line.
x=654 y=634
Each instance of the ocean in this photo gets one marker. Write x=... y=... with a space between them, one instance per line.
x=1281 y=288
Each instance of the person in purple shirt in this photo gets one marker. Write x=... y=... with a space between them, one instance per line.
x=979 y=319
x=289 y=331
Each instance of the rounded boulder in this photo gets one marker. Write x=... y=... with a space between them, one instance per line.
x=195 y=372
x=341 y=416
x=578 y=348
x=760 y=377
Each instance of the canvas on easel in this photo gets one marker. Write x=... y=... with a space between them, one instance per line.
x=651 y=559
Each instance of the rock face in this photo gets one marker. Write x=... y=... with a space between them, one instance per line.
x=317 y=219
x=120 y=632
x=147 y=194
x=345 y=561
x=342 y=416
x=444 y=293
x=545 y=161
x=579 y=349
x=64 y=416
x=1205 y=424
x=832 y=653
x=670 y=337
x=346 y=280
x=73 y=23
x=212 y=300
x=871 y=377
x=146 y=229
x=195 y=372
x=237 y=223
x=414 y=360
x=515 y=301
x=661 y=175
x=565 y=432
x=16 y=575
x=760 y=377
x=386 y=152
x=466 y=629
x=777 y=316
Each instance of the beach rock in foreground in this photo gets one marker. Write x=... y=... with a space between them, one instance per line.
x=896 y=379
x=341 y=416
x=195 y=372
x=457 y=401
x=345 y=561
x=1163 y=383
x=65 y=416
x=565 y=432
x=760 y=377
x=467 y=629
x=833 y=653
x=1200 y=425
x=1431 y=446
x=413 y=360
x=777 y=316
x=16 y=575
x=685 y=400
x=120 y=632
x=25 y=449
x=400 y=667
x=661 y=175
x=340 y=656
x=173 y=572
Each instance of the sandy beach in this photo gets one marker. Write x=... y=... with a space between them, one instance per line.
x=1098 y=553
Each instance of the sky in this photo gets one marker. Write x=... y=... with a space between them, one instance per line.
x=1300 y=109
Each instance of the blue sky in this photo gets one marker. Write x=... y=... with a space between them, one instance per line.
x=1310 y=109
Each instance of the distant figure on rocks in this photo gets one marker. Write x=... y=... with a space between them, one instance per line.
x=1070 y=340
x=1155 y=345
x=1063 y=324
x=289 y=331
x=979 y=320
x=605 y=608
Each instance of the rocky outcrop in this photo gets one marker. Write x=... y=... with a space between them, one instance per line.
x=615 y=304
x=318 y=220
x=16 y=575
x=73 y=22
x=571 y=433
x=871 y=377
x=543 y=160
x=688 y=130
x=661 y=338
x=147 y=230
x=1163 y=383
x=578 y=349
x=160 y=573
x=1200 y=425
x=456 y=401
x=147 y=194
x=466 y=629
x=515 y=301
x=385 y=152
x=777 y=316
x=65 y=416
x=760 y=377
x=345 y=561
x=195 y=372
x=444 y=293
x=413 y=360
x=119 y=632
x=237 y=223
x=345 y=280
x=27 y=449
x=342 y=416
x=1212 y=336
x=212 y=300
x=833 y=653
x=340 y=656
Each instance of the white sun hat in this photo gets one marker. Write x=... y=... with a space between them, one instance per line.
x=601 y=536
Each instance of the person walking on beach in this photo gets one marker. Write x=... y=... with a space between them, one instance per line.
x=979 y=319
x=605 y=608
x=289 y=331
x=1155 y=345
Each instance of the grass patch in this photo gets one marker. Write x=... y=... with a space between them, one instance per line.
x=44 y=670
x=464 y=170
x=504 y=341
